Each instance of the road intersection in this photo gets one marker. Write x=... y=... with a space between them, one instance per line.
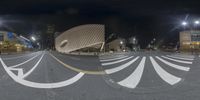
x=116 y=76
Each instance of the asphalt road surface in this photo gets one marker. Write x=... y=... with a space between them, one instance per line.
x=45 y=75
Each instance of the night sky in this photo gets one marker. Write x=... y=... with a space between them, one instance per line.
x=143 y=19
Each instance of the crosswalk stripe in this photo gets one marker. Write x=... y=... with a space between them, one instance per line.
x=133 y=80
x=179 y=57
x=174 y=65
x=110 y=57
x=114 y=62
x=185 y=56
x=116 y=69
x=180 y=61
x=167 y=77
x=114 y=59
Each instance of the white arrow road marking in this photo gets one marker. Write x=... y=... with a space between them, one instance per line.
x=179 y=57
x=32 y=69
x=167 y=77
x=114 y=62
x=10 y=58
x=41 y=85
x=116 y=69
x=180 y=61
x=133 y=80
x=24 y=62
x=19 y=70
x=113 y=59
x=174 y=65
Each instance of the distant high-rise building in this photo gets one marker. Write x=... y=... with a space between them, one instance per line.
x=50 y=36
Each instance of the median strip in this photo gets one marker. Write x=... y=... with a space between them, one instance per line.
x=77 y=69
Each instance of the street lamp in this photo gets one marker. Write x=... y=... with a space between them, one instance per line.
x=196 y=22
x=33 y=38
x=121 y=42
x=184 y=23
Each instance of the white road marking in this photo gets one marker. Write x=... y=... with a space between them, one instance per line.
x=41 y=85
x=133 y=80
x=180 y=61
x=116 y=69
x=10 y=58
x=113 y=59
x=167 y=77
x=110 y=57
x=19 y=70
x=114 y=62
x=174 y=65
x=32 y=69
x=24 y=62
x=185 y=56
x=179 y=57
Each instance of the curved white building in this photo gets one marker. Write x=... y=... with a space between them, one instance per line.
x=82 y=37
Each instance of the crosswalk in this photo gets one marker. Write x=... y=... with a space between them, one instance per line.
x=176 y=62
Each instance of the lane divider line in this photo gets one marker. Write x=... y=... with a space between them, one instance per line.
x=133 y=80
x=33 y=68
x=10 y=58
x=41 y=85
x=77 y=69
x=164 y=75
x=19 y=71
x=24 y=61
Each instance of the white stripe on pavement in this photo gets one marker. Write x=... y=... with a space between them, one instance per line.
x=10 y=58
x=41 y=85
x=114 y=62
x=110 y=57
x=32 y=69
x=24 y=62
x=116 y=69
x=185 y=56
x=179 y=57
x=180 y=61
x=113 y=59
x=19 y=71
x=173 y=65
x=167 y=77
x=133 y=80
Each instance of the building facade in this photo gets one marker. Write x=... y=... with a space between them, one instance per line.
x=89 y=38
x=190 y=40
x=11 y=42
x=116 y=45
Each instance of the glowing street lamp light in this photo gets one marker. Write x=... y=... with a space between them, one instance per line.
x=33 y=38
x=184 y=23
x=121 y=42
x=196 y=22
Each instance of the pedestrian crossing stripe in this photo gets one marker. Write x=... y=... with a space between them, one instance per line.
x=134 y=78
